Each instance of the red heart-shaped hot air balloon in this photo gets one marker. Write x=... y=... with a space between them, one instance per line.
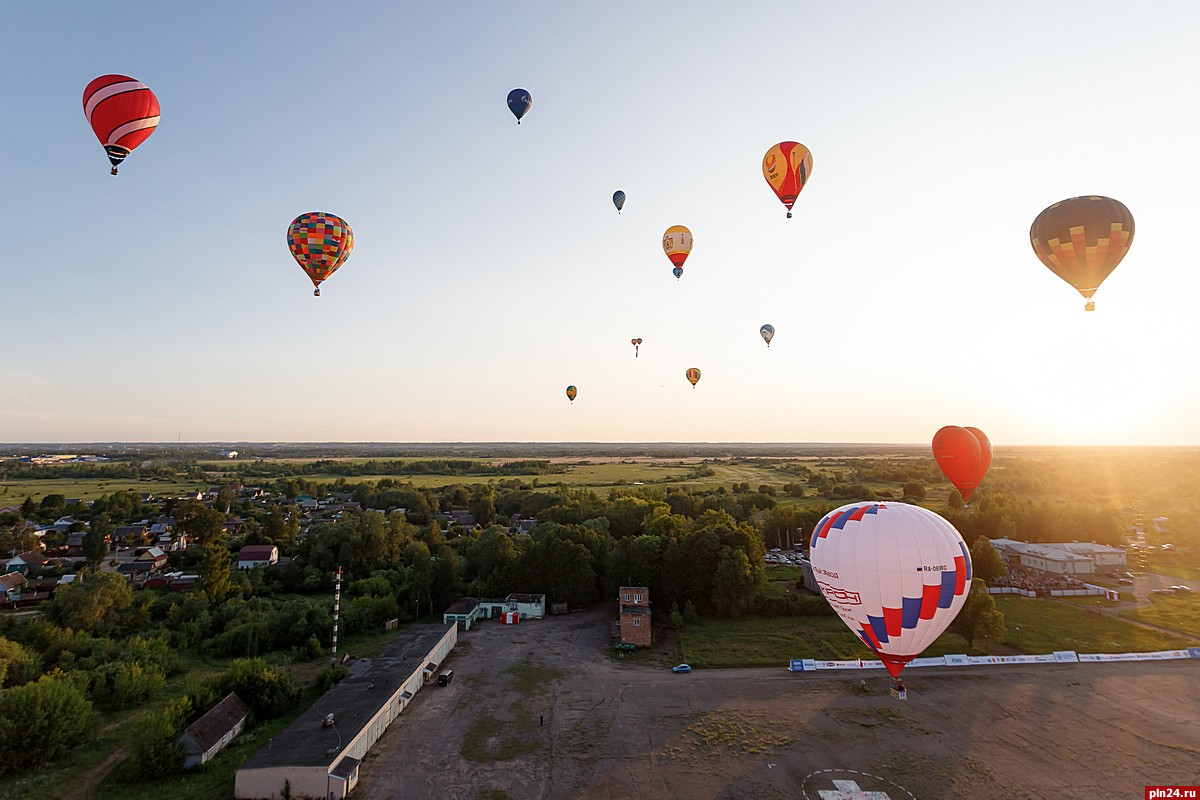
x=960 y=456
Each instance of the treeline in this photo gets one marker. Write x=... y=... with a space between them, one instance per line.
x=439 y=466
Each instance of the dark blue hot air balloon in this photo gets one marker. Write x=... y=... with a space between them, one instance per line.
x=678 y=272
x=619 y=200
x=519 y=102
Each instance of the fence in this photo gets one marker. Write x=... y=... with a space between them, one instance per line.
x=962 y=660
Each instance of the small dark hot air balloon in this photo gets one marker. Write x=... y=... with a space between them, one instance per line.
x=635 y=343
x=572 y=393
x=1082 y=240
x=519 y=102
x=619 y=200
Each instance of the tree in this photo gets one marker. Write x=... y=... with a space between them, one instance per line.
x=94 y=605
x=267 y=691
x=986 y=562
x=955 y=500
x=42 y=720
x=203 y=525
x=95 y=547
x=914 y=490
x=17 y=663
x=214 y=571
x=155 y=752
x=28 y=509
x=979 y=616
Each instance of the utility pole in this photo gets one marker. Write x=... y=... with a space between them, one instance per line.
x=337 y=604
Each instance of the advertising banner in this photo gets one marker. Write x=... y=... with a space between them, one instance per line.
x=1065 y=656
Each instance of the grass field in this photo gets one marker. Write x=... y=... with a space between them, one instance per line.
x=1180 y=612
x=1043 y=626
x=13 y=492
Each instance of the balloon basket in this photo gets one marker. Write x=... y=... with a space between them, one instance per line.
x=1091 y=306
x=899 y=694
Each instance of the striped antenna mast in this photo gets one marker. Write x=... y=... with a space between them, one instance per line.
x=337 y=604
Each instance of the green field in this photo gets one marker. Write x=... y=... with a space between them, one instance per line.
x=1042 y=626
x=1180 y=612
x=13 y=492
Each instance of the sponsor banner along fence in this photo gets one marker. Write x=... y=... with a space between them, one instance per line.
x=1011 y=590
x=960 y=660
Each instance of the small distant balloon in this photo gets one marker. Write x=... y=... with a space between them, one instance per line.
x=693 y=376
x=519 y=102
x=320 y=243
x=123 y=112
x=768 y=333
x=619 y=200
x=677 y=244
x=677 y=272
x=1082 y=240
x=787 y=167
x=572 y=392
x=635 y=343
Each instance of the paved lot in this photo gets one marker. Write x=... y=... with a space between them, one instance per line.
x=617 y=730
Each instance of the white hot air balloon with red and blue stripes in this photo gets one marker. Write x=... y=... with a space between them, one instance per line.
x=896 y=574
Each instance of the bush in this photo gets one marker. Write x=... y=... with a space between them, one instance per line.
x=330 y=678
x=154 y=752
x=42 y=720
x=268 y=691
x=119 y=686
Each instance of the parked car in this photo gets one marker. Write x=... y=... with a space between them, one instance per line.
x=681 y=668
x=1182 y=588
x=445 y=678
x=1125 y=581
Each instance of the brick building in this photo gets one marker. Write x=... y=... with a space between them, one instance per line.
x=635 y=615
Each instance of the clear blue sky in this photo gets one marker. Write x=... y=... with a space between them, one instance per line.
x=491 y=270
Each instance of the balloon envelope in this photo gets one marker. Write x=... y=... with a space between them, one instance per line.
x=959 y=455
x=519 y=102
x=768 y=333
x=787 y=167
x=985 y=448
x=122 y=111
x=693 y=376
x=571 y=393
x=677 y=272
x=619 y=200
x=320 y=242
x=896 y=574
x=1082 y=240
x=677 y=243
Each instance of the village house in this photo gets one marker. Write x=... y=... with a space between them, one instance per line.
x=27 y=563
x=257 y=555
x=210 y=734
x=635 y=615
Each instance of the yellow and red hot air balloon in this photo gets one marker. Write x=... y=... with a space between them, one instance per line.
x=320 y=243
x=1082 y=240
x=677 y=243
x=123 y=112
x=572 y=393
x=787 y=167
x=693 y=376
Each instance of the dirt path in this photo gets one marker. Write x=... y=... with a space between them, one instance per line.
x=92 y=778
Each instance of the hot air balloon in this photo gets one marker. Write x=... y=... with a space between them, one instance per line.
x=896 y=574
x=320 y=243
x=787 y=167
x=985 y=449
x=619 y=200
x=123 y=112
x=635 y=343
x=572 y=393
x=677 y=272
x=677 y=243
x=519 y=102
x=768 y=333
x=959 y=454
x=693 y=376
x=1082 y=240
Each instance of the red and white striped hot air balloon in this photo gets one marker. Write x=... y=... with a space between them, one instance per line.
x=123 y=112
x=896 y=574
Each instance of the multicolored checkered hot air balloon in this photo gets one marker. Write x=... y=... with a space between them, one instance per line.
x=1082 y=240
x=693 y=376
x=787 y=167
x=320 y=243
x=677 y=244
x=896 y=574
x=572 y=393
x=123 y=112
